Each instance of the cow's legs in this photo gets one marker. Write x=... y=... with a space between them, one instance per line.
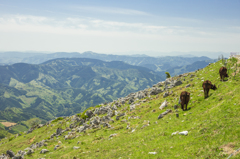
x=207 y=92
x=186 y=105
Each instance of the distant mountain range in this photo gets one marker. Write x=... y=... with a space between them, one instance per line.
x=157 y=64
x=65 y=86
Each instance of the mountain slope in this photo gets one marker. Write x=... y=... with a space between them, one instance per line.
x=62 y=87
x=212 y=125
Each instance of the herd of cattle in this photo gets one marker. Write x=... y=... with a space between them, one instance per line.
x=207 y=85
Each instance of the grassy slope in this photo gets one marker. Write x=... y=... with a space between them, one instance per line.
x=211 y=122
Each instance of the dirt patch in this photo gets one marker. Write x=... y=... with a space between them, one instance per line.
x=31 y=140
x=8 y=124
x=229 y=149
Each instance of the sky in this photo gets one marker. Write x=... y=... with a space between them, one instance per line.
x=118 y=27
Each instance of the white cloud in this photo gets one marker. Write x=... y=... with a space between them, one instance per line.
x=25 y=32
x=110 y=10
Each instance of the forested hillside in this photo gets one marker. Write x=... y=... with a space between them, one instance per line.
x=63 y=87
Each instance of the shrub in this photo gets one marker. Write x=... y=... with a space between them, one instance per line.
x=10 y=139
x=59 y=118
x=167 y=74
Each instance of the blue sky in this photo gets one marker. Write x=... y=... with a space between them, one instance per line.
x=124 y=26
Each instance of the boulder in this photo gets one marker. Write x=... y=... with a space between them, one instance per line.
x=75 y=147
x=40 y=125
x=56 y=147
x=44 y=151
x=89 y=113
x=30 y=130
x=177 y=83
x=114 y=107
x=30 y=151
x=155 y=91
x=110 y=113
x=164 y=113
x=59 y=131
x=188 y=85
x=163 y=105
x=165 y=94
x=10 y=153
x=132 y=107
x=120 y=115
x=95 y=121
x=131 y=100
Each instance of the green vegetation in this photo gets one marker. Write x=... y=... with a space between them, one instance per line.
x=167 y=74
x=64 y=87
x=212 y=123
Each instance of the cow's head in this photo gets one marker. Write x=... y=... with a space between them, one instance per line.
x=214 y=87
x=226 y=75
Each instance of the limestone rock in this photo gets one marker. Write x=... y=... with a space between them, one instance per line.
x=30 y=151
x=163 y=105
x=44 y=151
x=10 y=153
x=75 y=147
x=132 y=107
x=89 y=113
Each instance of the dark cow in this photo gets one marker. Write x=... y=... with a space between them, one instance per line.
x=184 y=99
x=207 y=85
x=223 y=73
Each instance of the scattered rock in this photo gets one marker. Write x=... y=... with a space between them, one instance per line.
x=30 y=151
x=10 y=153
x=44 y=151
x=112 y=135
x=163 y=105
x=89 y=113
x=187 y=85
x=132 y=107
x=164 y=113
x=75 y=147
x=56 y=147
x=165 y=94
x=183 y=133
x=152 y=153
x=120 y=115
x=175 y=133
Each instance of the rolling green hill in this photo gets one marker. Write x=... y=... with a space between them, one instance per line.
x=63 y=87
x=135 y=130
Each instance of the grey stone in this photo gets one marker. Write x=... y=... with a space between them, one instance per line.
x=192 y=75
x=177 y=83
x=110 y=113
x=44 y=151
x=112 y=135
x=165 y=94
x=30 y=130
x=188 y=85
x=164 y=113
x=114 y=107
x=155 y=91
x=59 y=131
x=89 y=113
x=75 y=147
x=120 y=115
x=132 y=107
x=10 y=153
x=56 y=147
x=131 y=100
x=40 y=125
x=30 y=151
x=175 y=106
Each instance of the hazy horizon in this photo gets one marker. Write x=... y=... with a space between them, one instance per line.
x=112 y=27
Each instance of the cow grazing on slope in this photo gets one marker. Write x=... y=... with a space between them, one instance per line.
x=207 y=85
x=184 y=99
x=223 y=73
